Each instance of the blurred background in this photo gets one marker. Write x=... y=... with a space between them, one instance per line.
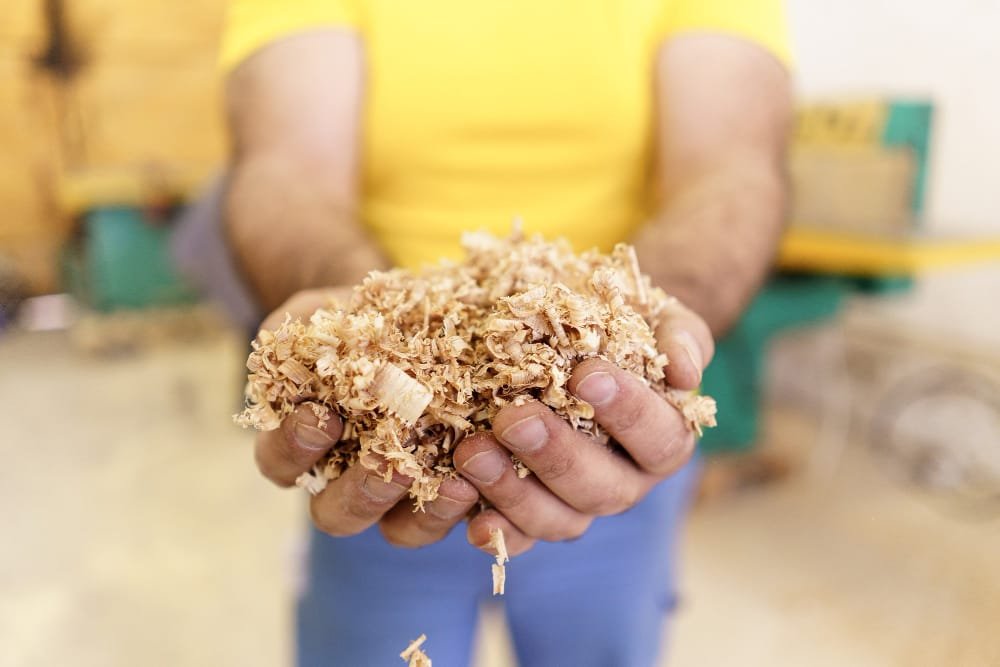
x=850 y=509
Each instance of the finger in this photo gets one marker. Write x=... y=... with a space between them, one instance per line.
x=356 y=500
x=525 y=502
x=651 y=430
x=687 y=341
x=479 y=534
x=303 y=304
x=404 y=527
x=287 y=452
x=570 y=463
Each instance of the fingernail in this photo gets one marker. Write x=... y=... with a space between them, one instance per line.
x=311 y=437
x=692 y=350
x=597 y=388
x=485 y=467
x=526 y=435
x=380 y=491
x=447 y=508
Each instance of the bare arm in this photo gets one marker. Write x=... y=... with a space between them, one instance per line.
x=725 y=115
x=293 y=111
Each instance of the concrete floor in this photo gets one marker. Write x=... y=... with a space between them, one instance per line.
x=135 y=531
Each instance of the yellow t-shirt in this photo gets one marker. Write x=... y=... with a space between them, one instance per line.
x=476 y=112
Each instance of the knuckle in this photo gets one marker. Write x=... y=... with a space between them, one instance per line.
x=506 y=498
x=619 y=499
x=667 y=459
x=562 y=530
x=594 y=505
x=556 y=466
x=661 y=460
x=630 y=411
x=549 y=529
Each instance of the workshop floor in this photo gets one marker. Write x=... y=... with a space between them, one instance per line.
x=136 y=532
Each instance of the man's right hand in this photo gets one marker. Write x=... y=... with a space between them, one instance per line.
x=358 y=498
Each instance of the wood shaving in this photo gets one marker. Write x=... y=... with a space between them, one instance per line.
x=416 y=361
x=499 y=569
x=520 y=469
x=313 y=481
x=698 y=411
x=414 y=656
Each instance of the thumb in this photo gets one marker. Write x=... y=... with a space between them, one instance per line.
x=687 y=341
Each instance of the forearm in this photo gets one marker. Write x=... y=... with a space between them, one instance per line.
x=722 y=139
x=716 y=237
x=294 y=114
x=290 y=230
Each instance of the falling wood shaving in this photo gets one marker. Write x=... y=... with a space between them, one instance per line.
x=499 y=569
x=413 y=654
x=416 y=361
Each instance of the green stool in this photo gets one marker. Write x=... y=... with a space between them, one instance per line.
x=122 y=261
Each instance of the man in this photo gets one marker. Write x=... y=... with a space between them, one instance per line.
x=368 y=133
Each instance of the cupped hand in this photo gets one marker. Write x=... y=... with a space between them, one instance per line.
x=575 y=478
x=360 y=497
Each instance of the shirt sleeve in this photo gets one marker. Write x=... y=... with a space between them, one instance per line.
x=763 y=22
x=252 y=24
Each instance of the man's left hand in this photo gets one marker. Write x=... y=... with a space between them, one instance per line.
x=576 y=479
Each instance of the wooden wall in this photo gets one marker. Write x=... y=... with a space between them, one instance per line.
x=98 y=86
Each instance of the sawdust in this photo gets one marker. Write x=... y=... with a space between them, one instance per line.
x=416 y=361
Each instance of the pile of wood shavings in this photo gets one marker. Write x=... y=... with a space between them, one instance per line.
x=416 y=361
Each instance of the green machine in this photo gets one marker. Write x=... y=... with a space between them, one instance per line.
x=813 y=281
x=120 y=260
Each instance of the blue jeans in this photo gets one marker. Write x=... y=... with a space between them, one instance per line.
x=601 y=600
